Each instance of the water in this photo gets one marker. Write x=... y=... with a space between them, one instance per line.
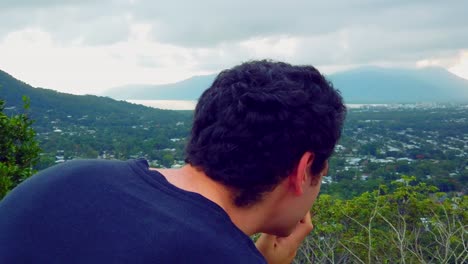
x=190 y=104
x=167 y=104
x=354 y=106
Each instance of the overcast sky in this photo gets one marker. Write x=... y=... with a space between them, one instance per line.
x=86 y=46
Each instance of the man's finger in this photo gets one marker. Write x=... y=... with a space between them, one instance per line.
x=302 y=229
x=266 y=240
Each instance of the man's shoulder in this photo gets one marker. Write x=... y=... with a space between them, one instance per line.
x=121 y=205
x=82 y=169
x=87 y=165
x=76 y=177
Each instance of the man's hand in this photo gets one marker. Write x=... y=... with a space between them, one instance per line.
x=282 y=250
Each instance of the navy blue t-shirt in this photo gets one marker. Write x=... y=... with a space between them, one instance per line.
x=95 y=211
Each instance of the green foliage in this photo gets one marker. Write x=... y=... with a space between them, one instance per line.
x=412 y=224
x=18 y=148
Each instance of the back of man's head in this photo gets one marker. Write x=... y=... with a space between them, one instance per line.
x=255 y=122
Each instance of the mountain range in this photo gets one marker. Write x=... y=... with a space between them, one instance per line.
x=393 y=85
x=189 y=89
x=361 y=85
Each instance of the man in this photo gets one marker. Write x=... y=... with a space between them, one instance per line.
x=261 y=138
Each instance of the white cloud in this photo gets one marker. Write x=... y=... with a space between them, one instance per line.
x=85 y=46
x=461 y=66
x=31 y=55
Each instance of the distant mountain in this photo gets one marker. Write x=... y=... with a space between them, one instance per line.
x=45 y=102
x=189 y=89
x=362 y=85
x=392 y=85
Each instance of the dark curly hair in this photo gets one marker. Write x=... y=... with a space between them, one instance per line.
x=254 y=123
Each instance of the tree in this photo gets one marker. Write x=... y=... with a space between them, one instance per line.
x=411 y=224
x=19 y=149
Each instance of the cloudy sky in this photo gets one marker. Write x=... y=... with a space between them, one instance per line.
x=86 y=46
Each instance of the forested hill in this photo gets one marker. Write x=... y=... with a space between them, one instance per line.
x=87 y=126
x=45 y=102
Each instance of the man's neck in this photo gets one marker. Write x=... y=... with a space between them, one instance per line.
x=249 y=219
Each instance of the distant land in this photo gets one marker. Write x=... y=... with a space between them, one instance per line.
x=189 y=89
x=392 y=85
x=366 y=85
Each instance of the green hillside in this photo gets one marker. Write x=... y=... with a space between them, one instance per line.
x=87 y=126
x=110 y=111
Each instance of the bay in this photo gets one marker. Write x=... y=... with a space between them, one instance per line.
x=167 y=104
x=190 y=104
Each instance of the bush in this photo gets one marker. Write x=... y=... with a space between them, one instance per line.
x=19 y=149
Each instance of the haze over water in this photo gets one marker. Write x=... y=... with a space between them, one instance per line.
x=190 y=104
x=167 y=104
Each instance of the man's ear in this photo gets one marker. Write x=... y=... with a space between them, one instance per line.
x=317 y=178
x=300 y=175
